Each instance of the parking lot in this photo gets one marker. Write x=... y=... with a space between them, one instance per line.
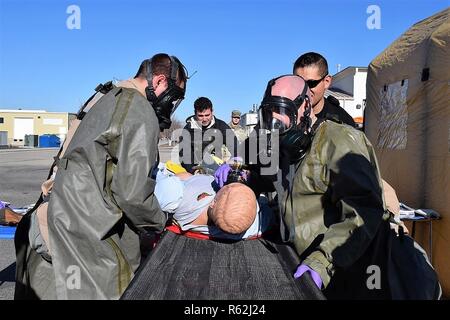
x=21 y=174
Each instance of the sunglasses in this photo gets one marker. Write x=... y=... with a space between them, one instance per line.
x=236 y=117
x=313 y=83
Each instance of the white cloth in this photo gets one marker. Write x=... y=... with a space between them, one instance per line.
x=196 y=125
x=169 y=192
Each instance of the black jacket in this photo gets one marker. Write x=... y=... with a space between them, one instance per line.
x=332 y=110
x=201 y=138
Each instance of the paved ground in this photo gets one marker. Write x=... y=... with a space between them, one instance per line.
x=7 y=269
x=21 y=174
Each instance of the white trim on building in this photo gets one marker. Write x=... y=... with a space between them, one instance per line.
x=349 y=87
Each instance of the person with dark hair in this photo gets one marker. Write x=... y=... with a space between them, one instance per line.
x=162 y=67
x=204 y=132
x=313 y=67
x=102 y=200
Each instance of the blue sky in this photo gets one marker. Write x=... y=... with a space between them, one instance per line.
x=235 y=46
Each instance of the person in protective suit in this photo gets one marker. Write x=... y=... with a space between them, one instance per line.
x=330 y=190
x=102 y=197
x=332 y=205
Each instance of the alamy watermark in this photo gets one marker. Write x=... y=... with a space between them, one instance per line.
x=73 y=280
x=374 y=280
x=374 y=20
x=260 y=148
x=73 y=21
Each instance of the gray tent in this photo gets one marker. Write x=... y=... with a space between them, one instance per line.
x=408 y=121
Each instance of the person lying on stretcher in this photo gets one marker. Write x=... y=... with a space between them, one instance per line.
x=232 y=212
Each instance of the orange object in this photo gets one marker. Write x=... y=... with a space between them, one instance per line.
x=359 y=120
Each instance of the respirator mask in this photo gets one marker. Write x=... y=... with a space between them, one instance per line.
x=168 y=101
x=281 y=113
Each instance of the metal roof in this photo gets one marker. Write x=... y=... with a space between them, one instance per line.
x=31 y=111
x=338 y=94
x=351 y=67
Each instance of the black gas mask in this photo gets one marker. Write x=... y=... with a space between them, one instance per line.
x=280 y=113
x=169 y=100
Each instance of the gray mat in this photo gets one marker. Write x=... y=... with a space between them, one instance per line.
x=191 y=269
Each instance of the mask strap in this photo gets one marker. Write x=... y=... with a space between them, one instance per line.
x=305 y=122
x=173 y=72
x=302 y=96
x=173 y=69
x=270 y=84
x=268 y=91
x=150 y=88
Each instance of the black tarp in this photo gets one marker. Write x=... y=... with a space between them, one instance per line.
x=182 y=268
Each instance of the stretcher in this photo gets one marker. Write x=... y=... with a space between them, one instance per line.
x=188 y=268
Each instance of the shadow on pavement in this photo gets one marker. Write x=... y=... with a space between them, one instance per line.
x=8 y=274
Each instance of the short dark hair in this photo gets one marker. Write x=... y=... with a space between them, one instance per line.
x=202 y=104
x=312 y=59
x=161 y=65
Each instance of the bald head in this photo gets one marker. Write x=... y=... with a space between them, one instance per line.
x=290 y=87
x=234 y=208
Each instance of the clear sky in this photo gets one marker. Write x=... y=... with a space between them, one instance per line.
x=235 y=46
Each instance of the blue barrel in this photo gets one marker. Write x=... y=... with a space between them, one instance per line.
x=7 y=232
x=49 y=141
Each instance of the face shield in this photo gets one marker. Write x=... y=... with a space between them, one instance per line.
x=277 y=113
x=176 y=96
x=175 y=105
x=166 y=104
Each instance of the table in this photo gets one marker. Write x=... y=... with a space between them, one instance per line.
x=431 y=216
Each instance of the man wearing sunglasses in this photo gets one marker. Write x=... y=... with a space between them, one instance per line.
x=313 y=67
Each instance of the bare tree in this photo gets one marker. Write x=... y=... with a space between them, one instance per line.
x=167 y=133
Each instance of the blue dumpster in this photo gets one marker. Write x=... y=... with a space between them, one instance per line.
x=7 y=232
x=49 y=141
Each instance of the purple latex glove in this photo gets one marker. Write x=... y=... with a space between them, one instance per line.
x=314 y=275
x=244 y=175
x=240 y=160
x=2 y=205
x=221 y=174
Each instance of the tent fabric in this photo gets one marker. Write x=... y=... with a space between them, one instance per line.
x=407 y=119
x=182 y=268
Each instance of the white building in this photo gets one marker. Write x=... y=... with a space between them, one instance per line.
x=250 y=119
x=349 y=87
